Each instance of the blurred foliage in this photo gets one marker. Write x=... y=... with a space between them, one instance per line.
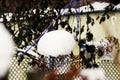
x=31 y=17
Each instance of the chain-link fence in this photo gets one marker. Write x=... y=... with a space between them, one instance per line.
x=111 y=69
x=61 y=68
x=18 y=71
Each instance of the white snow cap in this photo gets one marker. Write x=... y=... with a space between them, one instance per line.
x=93 y=74
x=55 y=43
x=117 y=6
x=98 y=6
x=6 y=49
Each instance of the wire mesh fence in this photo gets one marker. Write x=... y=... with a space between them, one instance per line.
x=18 y=71
x=112 y=70
x=62 y=68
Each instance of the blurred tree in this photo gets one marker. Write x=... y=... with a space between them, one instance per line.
x=28 y=18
